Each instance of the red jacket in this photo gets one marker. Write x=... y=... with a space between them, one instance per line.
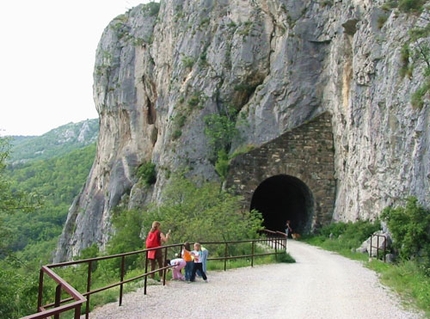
x=153 y=240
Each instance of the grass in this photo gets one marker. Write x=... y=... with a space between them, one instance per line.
x=408 y=281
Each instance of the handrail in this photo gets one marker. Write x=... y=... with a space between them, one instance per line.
x=77 y=299
x=384 y=248
x=62 y=285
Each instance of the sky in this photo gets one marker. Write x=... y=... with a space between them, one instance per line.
x=47 y=56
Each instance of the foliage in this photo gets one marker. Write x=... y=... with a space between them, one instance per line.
x=358 y=231
x=55 y=143
x=221 y=165
x=220 y=131
x=410 y=229
x=16 y=289
x=418 y=51
x=286 y=258
x=202 y=212
x=408 y=280
x=344 y=237
x=126 y=236
x=417 y=99
x=188 y=61
x=12 y=201
x=411 y=5
x=152 y=8
x=58 y=180
x=407 y=277
x=146 y=171
x=19 y=291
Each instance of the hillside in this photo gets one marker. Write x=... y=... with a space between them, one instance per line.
x=54 y=167
x=57 y=142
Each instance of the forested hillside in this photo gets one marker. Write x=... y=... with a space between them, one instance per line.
x=57 y=142
x=51 y=169
x=57 y=181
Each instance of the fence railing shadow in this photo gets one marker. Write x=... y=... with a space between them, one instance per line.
x=66 y=298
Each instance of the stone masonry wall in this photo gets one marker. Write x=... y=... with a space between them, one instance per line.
x=306 y=152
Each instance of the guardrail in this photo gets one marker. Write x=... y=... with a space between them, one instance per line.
x=377 y=247
x=74 y=299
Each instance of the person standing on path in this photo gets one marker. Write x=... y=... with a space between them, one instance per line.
x=198 y=266
x=288 y=229
x=186 y=255
x=205 y=254
x=155 y=239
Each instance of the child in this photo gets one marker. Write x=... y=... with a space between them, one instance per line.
x=198 y=266
x=186 y=255
x=178 y=264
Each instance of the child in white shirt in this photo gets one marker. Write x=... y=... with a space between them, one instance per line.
x=197 y=255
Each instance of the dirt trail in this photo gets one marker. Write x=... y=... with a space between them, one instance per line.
x=320 y=284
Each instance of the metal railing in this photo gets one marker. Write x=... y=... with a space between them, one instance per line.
x=377 y=247
x=74 y=300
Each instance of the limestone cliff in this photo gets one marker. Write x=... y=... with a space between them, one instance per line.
x=160 y=70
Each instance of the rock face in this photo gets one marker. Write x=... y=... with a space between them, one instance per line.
x=161 y=69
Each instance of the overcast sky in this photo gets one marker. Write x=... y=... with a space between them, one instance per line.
x=46 y=61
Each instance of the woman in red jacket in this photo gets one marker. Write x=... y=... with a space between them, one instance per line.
x=154 y=239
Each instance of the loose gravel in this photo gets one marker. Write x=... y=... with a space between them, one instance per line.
x=319 y=285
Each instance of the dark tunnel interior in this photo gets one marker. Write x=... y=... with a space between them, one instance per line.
x=281 y=198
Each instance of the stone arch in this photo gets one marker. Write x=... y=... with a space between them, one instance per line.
x=283 y=197
x=301 y=161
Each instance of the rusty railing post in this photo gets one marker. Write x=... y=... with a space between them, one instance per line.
x=252 y=253
x=40 y=295
x=121 y=286
x=146 y=273
x=225 y=257
x=57 y=300
x=87 y=310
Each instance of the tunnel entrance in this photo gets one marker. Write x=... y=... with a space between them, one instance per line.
x=281 y=198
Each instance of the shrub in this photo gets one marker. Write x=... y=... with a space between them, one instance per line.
x=410 y=229
x=202 y=211
x=411 y=5
x=146 y=171
x=222 y=163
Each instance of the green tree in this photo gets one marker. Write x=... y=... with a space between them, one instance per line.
x=202 y=211
x=125 y=238
x=14 y=286
x=11 y=201
x=410 y=228
x=220 y=131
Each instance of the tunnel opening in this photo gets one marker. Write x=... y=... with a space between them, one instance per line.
x=281 y=198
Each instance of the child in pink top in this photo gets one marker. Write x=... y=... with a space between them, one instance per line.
x=178 y=264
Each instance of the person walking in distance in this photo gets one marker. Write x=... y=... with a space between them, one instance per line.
x=198 y=266
x=155 y=239
x=288 y=229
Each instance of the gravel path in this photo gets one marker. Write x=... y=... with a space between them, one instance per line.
x=320 y=284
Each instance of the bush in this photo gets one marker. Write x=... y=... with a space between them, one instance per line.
x=222 y=164
x=410 y=229
x=411 y=5
x=344 y=237
x=202 y=212
x=147 y=173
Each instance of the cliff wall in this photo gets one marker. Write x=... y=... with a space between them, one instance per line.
x=160 y=70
